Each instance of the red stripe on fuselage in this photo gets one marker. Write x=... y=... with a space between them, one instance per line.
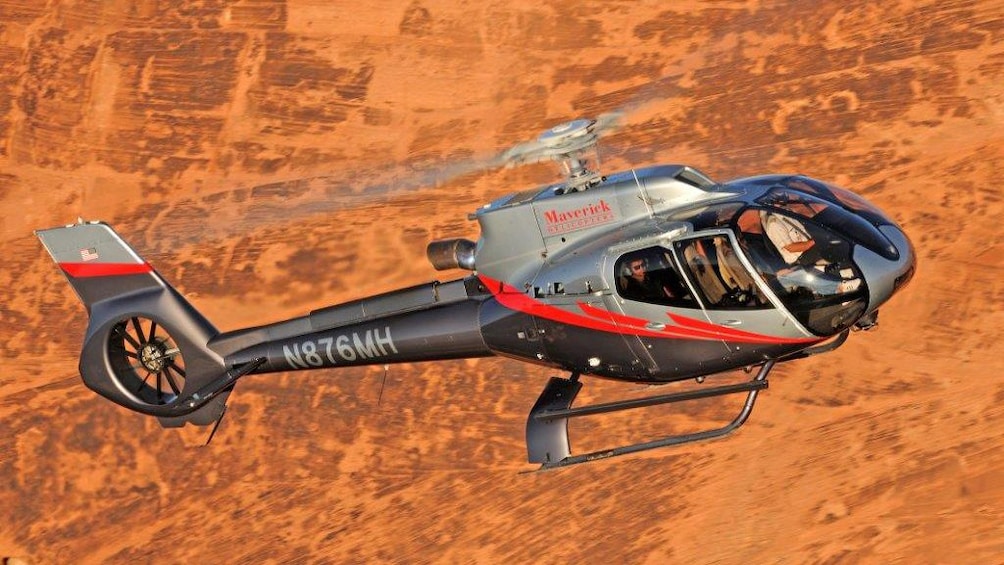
x=604 y=320
x=732 y=334
x=680 y=330
x=86 y=270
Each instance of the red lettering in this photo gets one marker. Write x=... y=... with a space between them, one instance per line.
x=592 y=214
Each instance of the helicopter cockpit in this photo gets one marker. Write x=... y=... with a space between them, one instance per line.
x=806 y=263
x=791 y=246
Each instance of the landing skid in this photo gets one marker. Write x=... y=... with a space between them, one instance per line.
x=547 y=426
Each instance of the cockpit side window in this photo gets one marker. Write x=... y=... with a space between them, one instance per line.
x=649 y=276
x=719 y=275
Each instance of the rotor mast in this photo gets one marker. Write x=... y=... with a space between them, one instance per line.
x=570 y=144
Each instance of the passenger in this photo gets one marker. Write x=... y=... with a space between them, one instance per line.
x=740 y=288
x=787 y=234
x=703 y=267
x=792 y=240
x=731 y=270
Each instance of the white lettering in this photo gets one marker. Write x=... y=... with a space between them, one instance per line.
x=366 y=350
x=327 y=342
x=293 y=358
x=310 y=354
x=382 y=341
x=345 y=348
x=352 y=346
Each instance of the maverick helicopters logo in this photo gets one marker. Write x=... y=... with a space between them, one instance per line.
x=563 y=221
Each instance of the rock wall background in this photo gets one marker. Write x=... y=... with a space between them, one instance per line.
x=269 y=157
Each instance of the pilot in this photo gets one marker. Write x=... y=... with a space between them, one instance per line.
x=639 y=283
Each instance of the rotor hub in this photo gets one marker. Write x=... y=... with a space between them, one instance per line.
x=146 y=362
x=153 y=356
x=569 y=140
x=570 y=136
x=570 y=144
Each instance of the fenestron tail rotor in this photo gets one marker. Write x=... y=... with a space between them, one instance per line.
x=146 y=361
x=146 y=348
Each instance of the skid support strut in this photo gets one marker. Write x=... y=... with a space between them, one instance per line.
x=547 y=426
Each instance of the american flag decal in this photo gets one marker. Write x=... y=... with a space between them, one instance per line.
x=88 y=254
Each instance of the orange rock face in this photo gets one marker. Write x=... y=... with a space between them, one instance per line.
x=269 y=157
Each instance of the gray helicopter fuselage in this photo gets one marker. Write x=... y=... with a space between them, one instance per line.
x=559 y=249
x=550 y=286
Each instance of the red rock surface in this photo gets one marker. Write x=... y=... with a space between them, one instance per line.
x=270 y=157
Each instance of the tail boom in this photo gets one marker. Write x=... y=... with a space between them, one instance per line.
x=433 y=321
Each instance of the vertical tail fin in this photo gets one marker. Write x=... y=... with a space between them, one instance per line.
x=145 y=347
x=98 y=264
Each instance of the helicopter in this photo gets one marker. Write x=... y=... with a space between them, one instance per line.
x=651 y=275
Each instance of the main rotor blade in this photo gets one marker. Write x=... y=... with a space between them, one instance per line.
x=282 y=201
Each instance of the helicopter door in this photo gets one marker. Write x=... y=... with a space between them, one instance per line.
x=731 y=296
x=632 y=342
x=648 y=285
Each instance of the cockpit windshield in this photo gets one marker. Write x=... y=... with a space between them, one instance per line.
x=808 y=266
x=839 y=196
x=835 y=217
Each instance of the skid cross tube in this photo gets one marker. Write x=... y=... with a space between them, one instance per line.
x=547 y=427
